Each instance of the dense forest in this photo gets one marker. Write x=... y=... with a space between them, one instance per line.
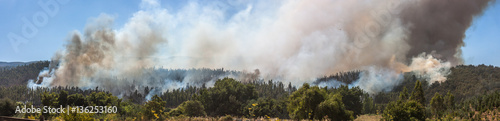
x=470 y=92
x=343 y=77
x=19 y=75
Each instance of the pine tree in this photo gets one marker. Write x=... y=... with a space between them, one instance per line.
x=449 y=100
x=418 y=93
x=403 y=96
x=437 y=105
x=63 y=98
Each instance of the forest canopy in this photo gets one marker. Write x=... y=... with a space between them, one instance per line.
x=469 y=92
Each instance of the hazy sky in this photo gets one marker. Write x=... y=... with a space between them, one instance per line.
x=482 y=41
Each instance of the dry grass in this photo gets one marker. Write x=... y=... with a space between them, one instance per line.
x=368 y=117
x=490 y=115
x=221 y=119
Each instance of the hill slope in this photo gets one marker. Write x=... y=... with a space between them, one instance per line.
x=13 y=64
x=464 y=82
x=20 y=74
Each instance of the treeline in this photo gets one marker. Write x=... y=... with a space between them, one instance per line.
x=229 y=97
x=470 y=92
x=226 y=97
x=197 y=76
x=468 y=81
x=344 y=77
x=174 y=97
x=33 y=95
x=55 y=97
x=19 y=75
x=441 y=106
x=273 y=99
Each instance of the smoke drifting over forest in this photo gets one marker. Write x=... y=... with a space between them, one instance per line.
x=296 y=40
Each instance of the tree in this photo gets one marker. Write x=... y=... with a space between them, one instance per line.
x=437 y=105
x=403 y=96
x=334 y=109
x=99 y=98
x=352 y=98
x=263 y=107
x=63 y=98
x=7 y=107
x=192 y=108
x=48 y=99
x=368 y=105
x=449 y=101
x=304 y=101
x=404 y=111
x=227 y=97
x=418 y=93
x=76 y=100
x=154 y=108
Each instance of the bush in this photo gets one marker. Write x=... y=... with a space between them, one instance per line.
x=404 y=111
x=192 y=108
x=77 y=117
x=334 y=109
x=304 y=101
x=228 y=96
x=175 y=112
x=352 y=98
x=267 y=107
x=154 y=108
x=7 y=107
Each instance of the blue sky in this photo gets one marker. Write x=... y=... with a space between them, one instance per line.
x=482 y=41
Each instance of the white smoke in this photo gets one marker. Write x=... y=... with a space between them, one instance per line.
x=295 y=40
x=378 y=79
x=431 y=68
x=331 y=84
x=44 y=80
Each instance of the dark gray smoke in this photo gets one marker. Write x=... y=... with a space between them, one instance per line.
x=438 y=26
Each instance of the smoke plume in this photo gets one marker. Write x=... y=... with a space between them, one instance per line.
x=296 y=40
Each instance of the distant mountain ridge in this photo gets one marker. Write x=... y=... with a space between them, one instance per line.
x=13 y=64
x=18 y=73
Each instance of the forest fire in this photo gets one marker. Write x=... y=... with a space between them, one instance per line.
x=292 y=59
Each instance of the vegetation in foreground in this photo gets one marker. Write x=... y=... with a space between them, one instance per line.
x=471 y=93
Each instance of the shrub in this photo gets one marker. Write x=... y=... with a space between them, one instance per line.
x=7 y=107
x=192 y=108
x=334 y=109
x=404 y=111
x=227 y=118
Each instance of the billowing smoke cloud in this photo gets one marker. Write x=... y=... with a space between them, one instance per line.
x=296 y=40
x=431 y=68
x=100 y=55
x=440 y=25
x=378 y=79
